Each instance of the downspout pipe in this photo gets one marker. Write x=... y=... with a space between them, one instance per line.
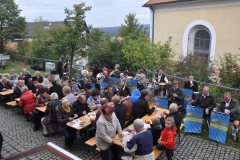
x=151 y=7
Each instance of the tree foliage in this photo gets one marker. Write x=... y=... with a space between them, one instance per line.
x=12 y=25
x=229 y=70
x=76 y=37
x=105 y=51
x=201 y=68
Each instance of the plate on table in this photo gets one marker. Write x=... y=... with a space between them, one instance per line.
x=157 y=109
x=126 y=133
x=146 y=126
x=83 y=124
x=88 y=116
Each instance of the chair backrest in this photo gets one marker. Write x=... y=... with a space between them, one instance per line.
x=187 y=96
x=113 y=81
x=93 y=85
x=103 y=85
x=132 y=84
x=161 y=102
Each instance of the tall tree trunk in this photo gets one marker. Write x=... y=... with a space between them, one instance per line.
x=71 y=63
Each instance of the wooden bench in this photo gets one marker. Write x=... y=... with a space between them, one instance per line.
x=179 y=136
x=91 y=142
x=97 y=149
x=156 y=152
x=12 y=103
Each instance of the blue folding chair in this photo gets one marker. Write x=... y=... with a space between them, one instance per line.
x=113 y=81
x=161 y=102
x=103 y=85
x=187 y=96
x=93 y=85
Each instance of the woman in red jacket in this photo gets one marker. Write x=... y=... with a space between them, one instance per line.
x=27 y=102
x=167 y=138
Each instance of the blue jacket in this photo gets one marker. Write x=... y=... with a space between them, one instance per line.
x=135 y=96
x=144 y=141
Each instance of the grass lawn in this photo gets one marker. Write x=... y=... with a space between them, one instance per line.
x=18 y=67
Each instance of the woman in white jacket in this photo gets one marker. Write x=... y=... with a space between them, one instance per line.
x=107 y=125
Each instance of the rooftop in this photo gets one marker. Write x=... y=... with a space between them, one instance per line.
x=158 y=2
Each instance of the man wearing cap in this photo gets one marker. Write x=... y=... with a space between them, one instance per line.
x=74 y=88
x=175 y=94
x=107 y=93
x=32 y=85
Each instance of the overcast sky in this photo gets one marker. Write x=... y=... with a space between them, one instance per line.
x=104 y=13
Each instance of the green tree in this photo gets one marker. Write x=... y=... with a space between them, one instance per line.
x=132 y=28
x=105 y=51
x=76 y=37
x=12 y=25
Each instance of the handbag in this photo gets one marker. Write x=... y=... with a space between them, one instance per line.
x=47 y=120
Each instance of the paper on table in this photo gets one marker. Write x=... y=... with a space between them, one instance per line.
x=76 y=123
x=146 y=126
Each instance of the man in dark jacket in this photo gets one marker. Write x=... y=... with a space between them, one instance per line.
x=17 y=92
x=5 y=85
x=32 y=85
x=205 y=100
x=89 y=89
x=141 y=107
x=56 y=88
x=107 y=93
x=80 y=106
x=230 y=106
x=119 y=109
x=173 y=112
x=175 y=94
x=60 y=68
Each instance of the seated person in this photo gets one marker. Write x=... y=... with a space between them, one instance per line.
x=205 y=100
x=39 y=77
x=115 y=72
x=141 y=143
x=119 y=109
x=84 y=78
x=175 y=94
x=32 y=85
x=191 y=84
x=105 y=78
x=107 y=93
x=5 y=85
x=17 y=92
x=68 y=95
x=135 y=96
x=65 y=115
x=80 y=106
x=94 y=100
x=74 y=88
x=156 y=128
x=24 y=72
x=64 y=79
x=89 y=89
x=129 y=72
x=141 y=107
x=231 y=107
x=141 y=78
x=173 y=112
x=121 y=83
x=39 y=86
x=56 y=88
x=41 y=100
x=47 y=83
x=127 y=102
x=12 y=77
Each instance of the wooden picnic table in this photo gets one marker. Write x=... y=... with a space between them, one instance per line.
x=7 y=92
x=42 y=109
x=17 y=99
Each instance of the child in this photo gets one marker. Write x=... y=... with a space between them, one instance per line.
x=167 y=138
x=156 y=129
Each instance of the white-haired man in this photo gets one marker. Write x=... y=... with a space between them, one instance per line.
x=17 y=92
x=141 y=143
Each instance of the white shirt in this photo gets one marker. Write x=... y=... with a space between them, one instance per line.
x=227 y=103
x=159 y=78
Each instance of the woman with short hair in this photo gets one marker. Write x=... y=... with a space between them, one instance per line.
x=27 y=102
x=51 y=108
x=107 y=126
x=39 y=77
x=65 y=115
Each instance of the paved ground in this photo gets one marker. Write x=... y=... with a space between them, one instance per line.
x=19 y=136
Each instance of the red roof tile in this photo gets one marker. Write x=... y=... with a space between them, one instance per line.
x=153 y=2
x=13 y=45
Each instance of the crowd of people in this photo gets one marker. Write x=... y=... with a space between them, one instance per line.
x=65 y=101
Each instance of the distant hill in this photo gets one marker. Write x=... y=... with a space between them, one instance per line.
x=113 y=31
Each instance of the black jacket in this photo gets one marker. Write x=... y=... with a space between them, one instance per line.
x=40 y=79
x=52 y=106
x=106 y=80
x=7 y=86
x=194 y=88
x=31 y=87
x=207 y=102
x=89 y=93
x=120 y=111
x=78 y=108
x=162 y=78
x=63 y=117
x=141 y=108
x=59 y=66
x=177 y=99
x=17 y=92
x=177 y=119
x=58 y=89
x=106 y=95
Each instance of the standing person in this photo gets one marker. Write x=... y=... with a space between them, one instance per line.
x=107 y=125
x=230 y=106
x=141 y=143
x=141 y=78
x=27 y=102
x=64 y=115
x=167 y=138
x=51 y=108
x=119 y=109
x=1 y=143
x=60 y=67
x=66 y=69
